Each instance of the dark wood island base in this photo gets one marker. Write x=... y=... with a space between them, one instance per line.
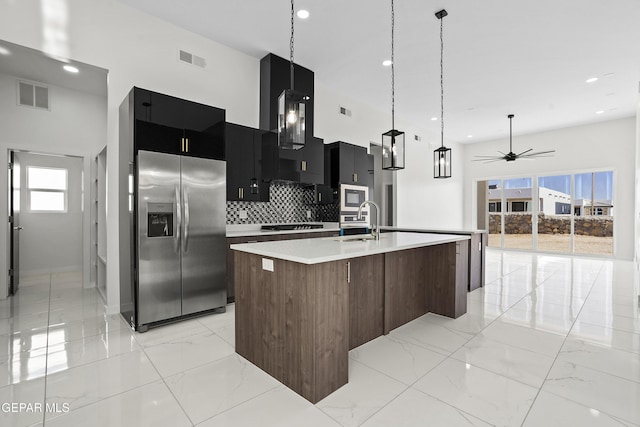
x=298 y=321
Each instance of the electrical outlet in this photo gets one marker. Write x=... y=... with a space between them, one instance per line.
x=308 y=214
x=243 y=214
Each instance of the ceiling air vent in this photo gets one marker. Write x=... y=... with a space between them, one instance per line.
x=192 y=59
x=345 y=112
x=33 y=95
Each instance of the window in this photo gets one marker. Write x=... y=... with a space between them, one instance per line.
x=519 y=206
x=495 y=206
x=47 y=189
x=563 y=208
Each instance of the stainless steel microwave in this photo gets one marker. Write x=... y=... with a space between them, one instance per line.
x=351 y=196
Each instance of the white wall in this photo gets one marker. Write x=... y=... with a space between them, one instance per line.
x=75 y=125
x=141 y=50
x=51 y=241
x=601 y=146
x=422 y=201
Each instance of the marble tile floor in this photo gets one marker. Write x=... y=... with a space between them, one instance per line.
x=549 y=341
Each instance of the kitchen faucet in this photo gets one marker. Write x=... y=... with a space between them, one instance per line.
x=375 y=233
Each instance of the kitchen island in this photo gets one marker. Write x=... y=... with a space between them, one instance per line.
x=301 y=305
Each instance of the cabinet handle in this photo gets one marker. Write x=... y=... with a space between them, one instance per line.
x=349 y=272
x=187 y=144
x=304 y=166
x=355 y=177
x=480 y=246
x=240 y=193
x=319 y=197
x=182 y=145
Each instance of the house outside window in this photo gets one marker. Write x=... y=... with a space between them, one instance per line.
x=47 y=189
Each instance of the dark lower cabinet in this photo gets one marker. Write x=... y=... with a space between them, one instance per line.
x=269 y=238
x=365 y=276
x=293 y=322
x=428 y=279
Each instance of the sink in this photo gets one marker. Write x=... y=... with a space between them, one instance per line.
x=355 y=238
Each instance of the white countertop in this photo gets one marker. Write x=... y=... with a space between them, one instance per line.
x=315 y=251
x=433 y=230
x=243 y=230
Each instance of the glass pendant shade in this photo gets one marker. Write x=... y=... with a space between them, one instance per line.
x=393 y=150
x=291 y=119
x=442 y=162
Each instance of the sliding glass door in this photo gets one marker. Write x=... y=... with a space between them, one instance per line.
x=593 y=213
x=554 y=213
x=570 y=213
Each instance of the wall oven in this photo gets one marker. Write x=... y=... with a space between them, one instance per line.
x=351 y=196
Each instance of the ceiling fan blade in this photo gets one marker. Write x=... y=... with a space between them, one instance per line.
x=540 y=154
x=487 y=158
x=518 y=155
x=503 y=154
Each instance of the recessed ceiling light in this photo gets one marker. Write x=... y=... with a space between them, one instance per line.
x=4 y=51
x=386 y=62
x=303 y=14
x=608 y=75
x=70 y=68
x=434 y=119
x=469 y=136
x=591 y=80
x=599 y=111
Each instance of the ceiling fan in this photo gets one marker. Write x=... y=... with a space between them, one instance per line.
x=511 y=156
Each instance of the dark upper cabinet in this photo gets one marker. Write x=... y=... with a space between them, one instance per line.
x=250 y=155
x=348 y=164
x=274 y=78
x=177 y=126
x=324 y=195
x=305 y=165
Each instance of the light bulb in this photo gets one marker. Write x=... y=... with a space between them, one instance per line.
x=394 y=150
x=292 y=117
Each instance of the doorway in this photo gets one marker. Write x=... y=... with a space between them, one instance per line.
x=384 y=193
x=46 y=217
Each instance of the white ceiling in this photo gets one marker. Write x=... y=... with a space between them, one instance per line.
x=31 y=64
x=529 y=58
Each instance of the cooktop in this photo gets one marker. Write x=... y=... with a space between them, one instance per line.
x=283 y=227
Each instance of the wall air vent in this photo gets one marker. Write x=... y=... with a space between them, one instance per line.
x=33 y=95
x=345 y=112
x=192 y=59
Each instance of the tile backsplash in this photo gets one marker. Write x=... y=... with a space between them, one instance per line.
x=288 y=202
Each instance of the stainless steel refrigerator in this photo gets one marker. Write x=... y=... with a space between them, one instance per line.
x=181 y=246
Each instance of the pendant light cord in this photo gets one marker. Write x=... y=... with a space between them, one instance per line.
x=441 y=86
x=393 y=63
x=291 y=47
x=510 y=133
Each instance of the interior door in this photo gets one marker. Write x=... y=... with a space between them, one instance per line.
x=14 y=222
x=204 y=246
x=159 y=236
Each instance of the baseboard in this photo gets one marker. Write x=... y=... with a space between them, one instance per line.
x=41 y=271
x=112 y=309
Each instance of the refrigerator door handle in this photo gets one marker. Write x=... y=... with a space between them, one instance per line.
x=176 y=239
x=185 y=240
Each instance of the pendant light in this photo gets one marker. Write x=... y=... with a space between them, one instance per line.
x=291 y=108
x=441 y=155
x=393 y=140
